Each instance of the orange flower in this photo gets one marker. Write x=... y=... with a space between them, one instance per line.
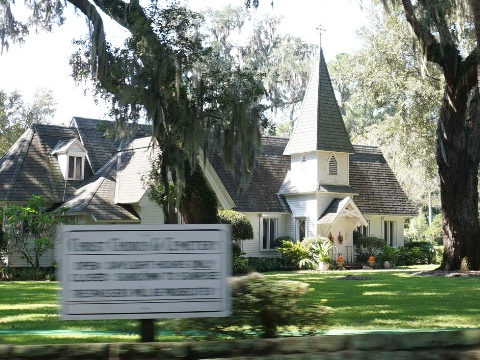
x=371 y=258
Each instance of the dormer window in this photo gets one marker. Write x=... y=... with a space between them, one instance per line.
x=75 y=167
x=332 y=165
x=71 y=158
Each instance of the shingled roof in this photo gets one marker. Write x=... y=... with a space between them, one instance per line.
x=261 y=195
x=135 y=162
x=100 y=148
x=320 y=125
x=373 y=186
x=378 y=189
x=97 y=195
x=28 y=168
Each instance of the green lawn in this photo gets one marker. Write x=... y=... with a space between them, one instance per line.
x=394 y=299
x=386 y=300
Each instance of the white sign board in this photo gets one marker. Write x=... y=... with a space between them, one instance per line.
x=144 y=271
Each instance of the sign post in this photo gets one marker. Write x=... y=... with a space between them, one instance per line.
x=144 y=271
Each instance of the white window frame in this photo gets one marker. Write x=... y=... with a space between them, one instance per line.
x=364 y=230
x=332 y=165
x=390 y=232
x=297 y=227
x=270 y=242
x=75 y=167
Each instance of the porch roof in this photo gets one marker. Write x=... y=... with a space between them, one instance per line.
x=341 y=208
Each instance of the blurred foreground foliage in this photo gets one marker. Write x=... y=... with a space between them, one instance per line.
x=262 y=307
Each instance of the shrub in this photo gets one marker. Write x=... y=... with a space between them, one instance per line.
x=241 y=227
x=389 y=254
x=278 y=240
x=239 y=262
x=292 y=253
x=264 y=306
x=405 y=257
x=30 y=230
x=366 y=247
x=318 y=249
x=239 y=265
x=307 y=254
x=265 y=264
x=25 y=274
x=419 y=252
x=426 y=249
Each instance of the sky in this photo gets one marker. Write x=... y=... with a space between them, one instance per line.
x=42 y=61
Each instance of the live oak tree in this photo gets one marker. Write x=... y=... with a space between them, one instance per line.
x=284 y=60
x=443 y=37
x=193 y=98
x=444 y=32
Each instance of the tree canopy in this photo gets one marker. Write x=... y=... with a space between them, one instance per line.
x=386 y=101
x=16 y=115
x=284 y=60
x=445 y=32
x=190 y=93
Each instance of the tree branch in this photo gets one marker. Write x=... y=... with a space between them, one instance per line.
x=99 y=43
x=430 y=46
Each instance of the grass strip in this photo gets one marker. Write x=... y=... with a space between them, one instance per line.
x=361 y=300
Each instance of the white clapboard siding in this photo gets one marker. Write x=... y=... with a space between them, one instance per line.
x=342 y=168
x=150 y=213
x=304 y=205
x=15 y=259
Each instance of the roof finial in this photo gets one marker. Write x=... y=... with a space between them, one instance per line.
x=320 y=30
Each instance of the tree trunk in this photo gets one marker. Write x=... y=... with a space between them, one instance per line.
x=475 y=6
x=458 y=162
x=199 y=202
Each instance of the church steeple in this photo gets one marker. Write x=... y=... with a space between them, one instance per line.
x=320 y=125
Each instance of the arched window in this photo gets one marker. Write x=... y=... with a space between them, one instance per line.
x=332 y=165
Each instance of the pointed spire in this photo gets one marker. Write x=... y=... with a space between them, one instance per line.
x=320 y=125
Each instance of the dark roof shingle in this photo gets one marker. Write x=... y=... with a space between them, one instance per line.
x=261 y=195
x=378 y=189
x=320 y=125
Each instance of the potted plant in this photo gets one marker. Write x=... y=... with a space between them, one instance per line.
x=389 y=256
x=323 y=249
x=371 y=261
x=318 y=249
x=340 y=261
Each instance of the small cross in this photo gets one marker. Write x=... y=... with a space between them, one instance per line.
x=320 y=30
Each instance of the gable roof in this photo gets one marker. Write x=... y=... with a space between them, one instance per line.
x=28 y=168
x=378 y=189
x=373 y=185
x=64 y=145
x=320 y=125
x=261 y=195
x=100 y=148
x=341 y=208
